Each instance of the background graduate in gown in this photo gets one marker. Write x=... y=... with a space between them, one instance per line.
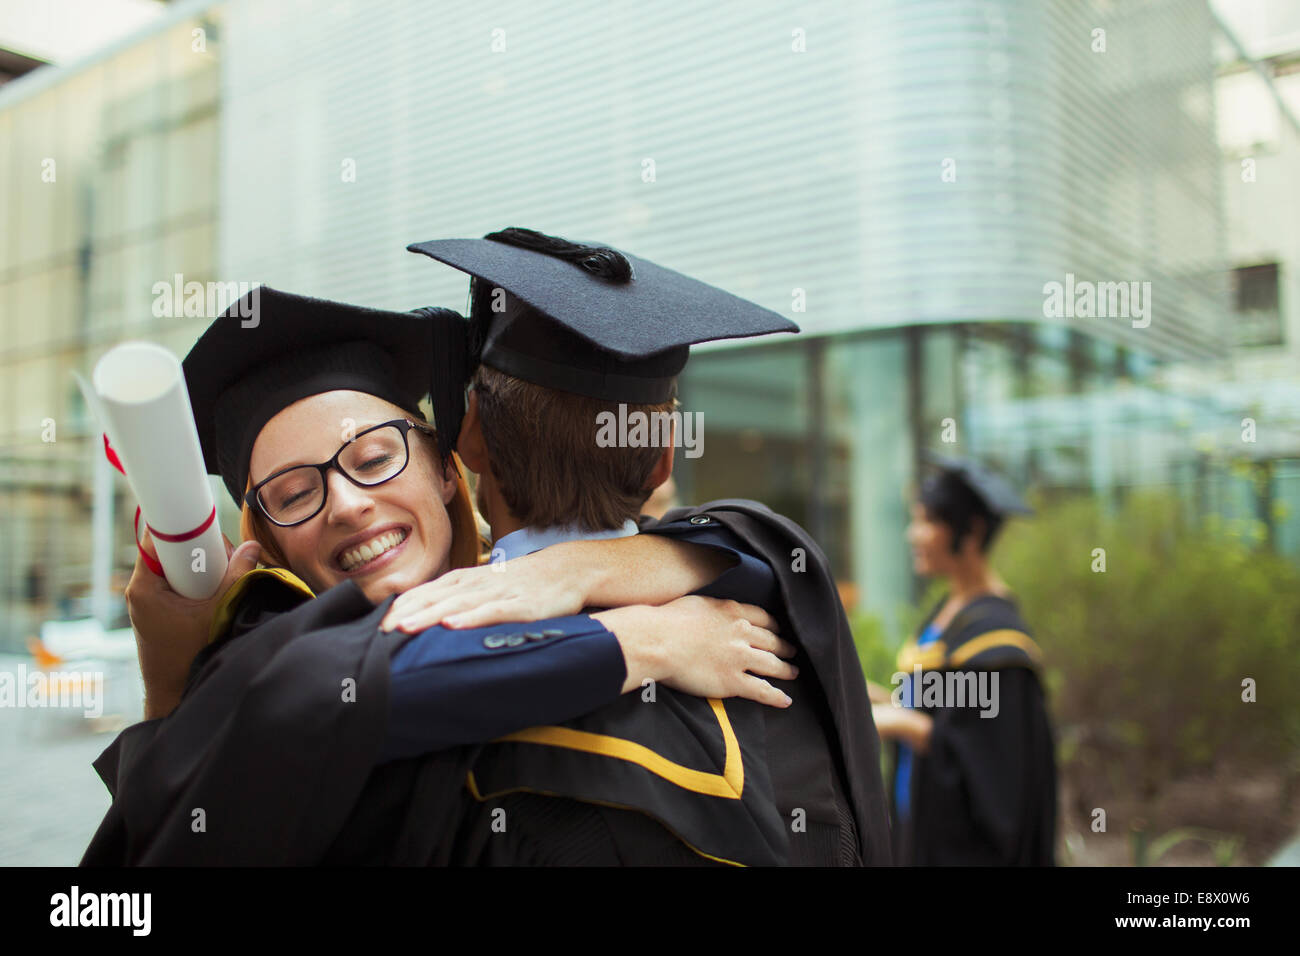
x=974 y=778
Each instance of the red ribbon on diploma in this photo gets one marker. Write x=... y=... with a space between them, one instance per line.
x=151 y=562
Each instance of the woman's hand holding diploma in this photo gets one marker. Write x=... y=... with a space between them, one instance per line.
x=170 y=630
x=138 y=394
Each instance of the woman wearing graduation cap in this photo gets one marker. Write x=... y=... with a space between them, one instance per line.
x=309 y=412
x=974 y=770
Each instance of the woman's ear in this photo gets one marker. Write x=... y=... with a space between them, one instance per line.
x=450 y=479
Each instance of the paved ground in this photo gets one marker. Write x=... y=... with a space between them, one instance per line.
x=51 y=799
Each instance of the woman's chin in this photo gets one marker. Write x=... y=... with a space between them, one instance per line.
x=384 y=586
x=379 y=587
x=378 y=593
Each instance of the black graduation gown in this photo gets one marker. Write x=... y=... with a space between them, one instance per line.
x=273 y=756
x=691 y=786
x=721 y=777
x=824 y=752
x=984 y=793
x=265 y=760
x=267 y=763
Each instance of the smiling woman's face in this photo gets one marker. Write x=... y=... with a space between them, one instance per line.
x=402 y=523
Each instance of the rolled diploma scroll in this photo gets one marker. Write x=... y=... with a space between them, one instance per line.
x=141 y=400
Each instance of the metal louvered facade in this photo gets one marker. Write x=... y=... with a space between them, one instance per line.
x=774 y=169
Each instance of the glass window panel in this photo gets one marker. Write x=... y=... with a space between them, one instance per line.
x=142 y=267
x=106 y=290
x=192 y=152
x=1286 y=507
x=33 y=191
x=868 y=421
x=30 y=300
x=8 y=210
x=34 y=399
x=940 y=385
x=755 y=428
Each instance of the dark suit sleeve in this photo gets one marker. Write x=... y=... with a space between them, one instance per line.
x=749 y=579
x=452 y=687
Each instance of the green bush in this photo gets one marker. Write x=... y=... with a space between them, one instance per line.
x=1145 y=660
x=875 y=650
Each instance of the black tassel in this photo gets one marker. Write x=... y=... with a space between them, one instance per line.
x=602 y=262
x=450 y=375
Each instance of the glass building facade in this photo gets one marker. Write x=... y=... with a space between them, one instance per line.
x=109 y=176
x=902 y=179
x=830 y=431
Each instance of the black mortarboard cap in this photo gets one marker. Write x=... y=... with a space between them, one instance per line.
x=994 y=491
x=588 y=319
x=272 y=348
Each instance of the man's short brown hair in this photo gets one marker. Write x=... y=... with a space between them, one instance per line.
x=542 y=447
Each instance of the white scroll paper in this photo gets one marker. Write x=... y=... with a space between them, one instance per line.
x=138 y=394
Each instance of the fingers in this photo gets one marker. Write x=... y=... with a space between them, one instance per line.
x=144 y=588
x=754 y=615
x=390 y=620
x=404 y=606
x=146 y=543
x=422 y=596
x=416 y=615
x=418 y=605
x=462 y=614
x=757 y=689
x=416 y=618
x=142 y=580
x=242 y=560
x=486 y=614
x=767 y=641
x=764 y=664
x=145 y=579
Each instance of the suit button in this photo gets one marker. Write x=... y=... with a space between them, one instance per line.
x=514 y=640
x=494 y=641
x=552 y=632
x=535 y=635
x=700 y=519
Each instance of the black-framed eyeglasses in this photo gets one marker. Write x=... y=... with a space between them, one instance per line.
x=297 y=494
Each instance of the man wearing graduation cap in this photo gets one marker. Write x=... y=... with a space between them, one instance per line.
x=974 y=779
x=561 y=333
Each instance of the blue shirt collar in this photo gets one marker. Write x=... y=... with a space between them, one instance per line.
x=527 y=540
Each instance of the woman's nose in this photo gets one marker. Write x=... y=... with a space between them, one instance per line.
x=345 y=500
